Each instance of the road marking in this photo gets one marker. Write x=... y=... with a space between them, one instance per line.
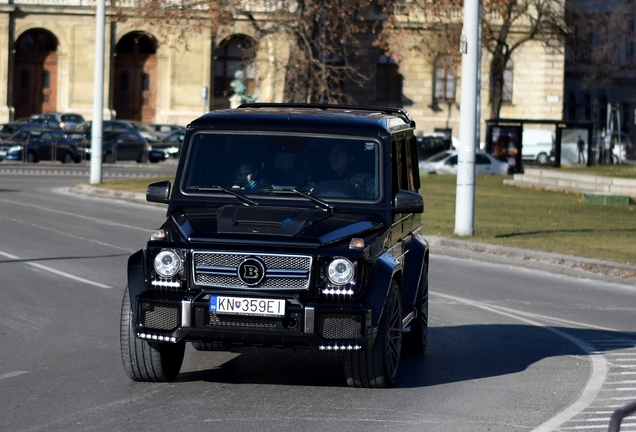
x=599 y=364
x=13 y=374
x=57 y=272
x=49 y=210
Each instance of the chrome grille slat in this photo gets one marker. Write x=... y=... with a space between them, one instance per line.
x=284 y=272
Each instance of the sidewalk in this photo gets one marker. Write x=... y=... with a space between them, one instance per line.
x=545 y=261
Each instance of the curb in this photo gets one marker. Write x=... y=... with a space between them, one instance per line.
x=545 y=261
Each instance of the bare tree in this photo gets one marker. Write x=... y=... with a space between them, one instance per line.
x=506 y=26
x=326 y=37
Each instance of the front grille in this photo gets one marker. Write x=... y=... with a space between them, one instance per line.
x=159 y=316
x=339 y=326
x=282 y=272
x=205 y=319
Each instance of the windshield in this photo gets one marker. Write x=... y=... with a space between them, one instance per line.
x=323 y=167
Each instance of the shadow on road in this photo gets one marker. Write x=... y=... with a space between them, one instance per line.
x=454 y=354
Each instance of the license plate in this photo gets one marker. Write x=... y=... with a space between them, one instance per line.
x=3 y=152
x=247 y=306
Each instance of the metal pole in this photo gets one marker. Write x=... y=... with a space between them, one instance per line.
x=469 y=120
x=98 y=96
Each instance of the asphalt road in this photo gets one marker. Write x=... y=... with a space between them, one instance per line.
x=511 y=348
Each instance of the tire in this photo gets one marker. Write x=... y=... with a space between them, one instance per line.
x=31 y=157
x=542 y=158
x=67 y=158
x=211 y=346
x=143 y=360
x=415 y=340
x=108 y=158
x=377 y=367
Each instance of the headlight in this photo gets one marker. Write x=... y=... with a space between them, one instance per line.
x=15 y=148
x=168 y=263
x=340 y=271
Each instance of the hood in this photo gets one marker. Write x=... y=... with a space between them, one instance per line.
x=267 y=224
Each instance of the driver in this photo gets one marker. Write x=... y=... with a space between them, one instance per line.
x=341 y=161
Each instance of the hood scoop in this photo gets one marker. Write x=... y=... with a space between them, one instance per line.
x=267 y=220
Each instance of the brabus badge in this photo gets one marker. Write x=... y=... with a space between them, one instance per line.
x=251 y=271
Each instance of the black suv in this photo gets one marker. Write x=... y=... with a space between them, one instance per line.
x=292 y=226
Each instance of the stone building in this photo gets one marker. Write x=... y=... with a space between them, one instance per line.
x=47 y=61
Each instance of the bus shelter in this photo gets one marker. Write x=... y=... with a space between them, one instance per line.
x=541 y=142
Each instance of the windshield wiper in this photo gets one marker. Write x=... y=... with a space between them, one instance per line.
x=242 y=197
x=325 y=205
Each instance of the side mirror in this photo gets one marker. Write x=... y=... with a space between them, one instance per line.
x=159 y=192
x=408 y=202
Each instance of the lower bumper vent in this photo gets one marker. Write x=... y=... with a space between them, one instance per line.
x=159 y=316
x=339 y=326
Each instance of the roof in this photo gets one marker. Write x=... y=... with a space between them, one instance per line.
x=344 y=119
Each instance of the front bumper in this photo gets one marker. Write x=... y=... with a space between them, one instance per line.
x=321 y=327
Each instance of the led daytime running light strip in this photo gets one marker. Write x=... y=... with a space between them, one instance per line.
x=155 y=337
x=339 y=347
x=338 y=291
x=166 y=283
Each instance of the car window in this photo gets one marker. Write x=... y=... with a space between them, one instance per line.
x=438 y=157
x=326 y=167
x=452 y=160
x=481 y=159
x=176 y=138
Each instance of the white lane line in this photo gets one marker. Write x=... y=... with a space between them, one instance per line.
x=13 y=374
x=57 y=272
x=599 y=364
x=93 y=219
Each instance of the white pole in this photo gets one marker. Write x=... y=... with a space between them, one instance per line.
x=98 y=96
x=469 y=120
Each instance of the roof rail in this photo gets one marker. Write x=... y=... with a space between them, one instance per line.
x=387 y=110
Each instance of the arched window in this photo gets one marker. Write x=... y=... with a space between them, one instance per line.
x=236 y=53
x=145 y=82
x=388 y=82
x=46 y=79
x=444 y=80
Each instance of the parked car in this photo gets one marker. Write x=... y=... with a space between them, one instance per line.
x=40 y=145
x=446 y=163
x=144 y=130
x=431 y=144
x=167 y=148
x=337 y=266
x=62 y=120
x=166 y=128
x=119 y=145
x=8 y=129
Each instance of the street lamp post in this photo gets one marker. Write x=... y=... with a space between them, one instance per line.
x=98 y=96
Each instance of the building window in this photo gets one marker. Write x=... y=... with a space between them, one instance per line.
x=236 y=53
x=145 y=82
x=388 y=82
x=46 y=79
x=444 y=80
x=506 y=91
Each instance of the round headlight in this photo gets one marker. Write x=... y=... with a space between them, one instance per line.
x=167 y=263
x=340 y=271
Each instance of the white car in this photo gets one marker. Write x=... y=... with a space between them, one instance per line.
x=446 y=163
